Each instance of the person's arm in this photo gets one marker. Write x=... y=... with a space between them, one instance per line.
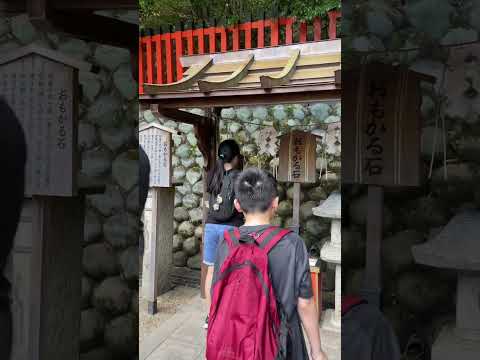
x=309 y=317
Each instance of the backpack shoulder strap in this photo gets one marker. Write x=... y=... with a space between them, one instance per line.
x=232 y=237
x=271 y=236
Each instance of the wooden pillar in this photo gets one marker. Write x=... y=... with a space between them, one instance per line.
x=296 y=208
x=207 y=133
x=56 y=237
x=373 y=284
x=158 y=245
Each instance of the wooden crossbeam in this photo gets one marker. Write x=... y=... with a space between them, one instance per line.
x=181 y=116
x=232 y=80
x=189 y=79
x=269 y=81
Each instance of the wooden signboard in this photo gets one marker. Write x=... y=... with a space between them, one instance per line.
x=298 y=152
x=45 y=270
x=381 y=121
x=380 y=146
x=40 y=86
x=156 y=140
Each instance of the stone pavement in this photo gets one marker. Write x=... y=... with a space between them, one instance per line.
x=182 y=336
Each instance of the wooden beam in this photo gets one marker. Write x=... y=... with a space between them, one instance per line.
x=182 y=116
x=93 y=5
x=100 y=29
x=232 y=80
x=269 y=81
x=191 y=76
x=225 y=98
x=15 y=7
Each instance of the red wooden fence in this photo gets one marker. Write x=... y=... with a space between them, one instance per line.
x=159 y=55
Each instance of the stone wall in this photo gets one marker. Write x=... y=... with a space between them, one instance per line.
x=418 y=300
x=108 y=145
x=243 y=125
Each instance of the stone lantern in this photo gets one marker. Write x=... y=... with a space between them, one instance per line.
x=331 y=253
x=457 y=247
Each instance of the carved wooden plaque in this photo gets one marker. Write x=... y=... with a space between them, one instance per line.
x=156 y=140
x=298 y=157
x=41 y=93
x=381 y=126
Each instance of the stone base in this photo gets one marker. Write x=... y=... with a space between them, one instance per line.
x=450 y=346
x=330 y=335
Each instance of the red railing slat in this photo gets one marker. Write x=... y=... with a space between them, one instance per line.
x=223 y=39
x=317 y=29
x=261 y=34
x=274 y=32
x=189 y=36
x=169 y=57
x=289 y=31
x=159 y=63
x=201 y=41
x=248 y=35
x=140 y=66
x=332 y=23
x=148 y=42
x=178 y=54
x=158 y=57
x=211 y=37
x=303 y=32
x=235 y=38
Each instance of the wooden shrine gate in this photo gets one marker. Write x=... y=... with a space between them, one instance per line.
x=297 y=73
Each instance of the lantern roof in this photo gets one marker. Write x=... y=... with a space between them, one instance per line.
x=52 y=55
x=282 y=74
x=457 y=246
x=330 y=208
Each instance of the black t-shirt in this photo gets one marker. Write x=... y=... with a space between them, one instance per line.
x=237 y=218
x=290 y=273
x=367 y=335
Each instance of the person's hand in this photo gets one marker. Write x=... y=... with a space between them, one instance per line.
x=319 y=355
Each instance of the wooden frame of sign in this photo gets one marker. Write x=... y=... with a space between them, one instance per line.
x=156 y=140
x=297 y=164
x=41 y=87
x=380 y=145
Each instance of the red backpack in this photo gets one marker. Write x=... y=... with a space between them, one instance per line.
x=245 y=322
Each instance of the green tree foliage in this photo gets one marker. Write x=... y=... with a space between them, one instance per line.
x=155 y=13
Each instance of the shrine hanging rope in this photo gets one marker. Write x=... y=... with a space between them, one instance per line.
x=318 y=125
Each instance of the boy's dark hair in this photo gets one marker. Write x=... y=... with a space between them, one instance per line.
x=255 y=189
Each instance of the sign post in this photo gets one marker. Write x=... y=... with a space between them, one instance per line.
x=156 y=140
x=297 y=164
x=381 y=146
x=41 y=87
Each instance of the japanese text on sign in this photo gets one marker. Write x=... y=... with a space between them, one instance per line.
x=298 y=157
x=375 y=129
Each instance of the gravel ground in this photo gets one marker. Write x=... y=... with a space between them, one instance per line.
x=168 y=304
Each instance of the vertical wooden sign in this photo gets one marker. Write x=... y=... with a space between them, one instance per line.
x=381 y=120
x=298 y=152
x=156 y=140
x=40 y=86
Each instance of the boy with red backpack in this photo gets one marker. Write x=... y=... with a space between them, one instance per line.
x=262 y=291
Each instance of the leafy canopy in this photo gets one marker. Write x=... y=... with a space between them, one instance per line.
x=155 y=13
